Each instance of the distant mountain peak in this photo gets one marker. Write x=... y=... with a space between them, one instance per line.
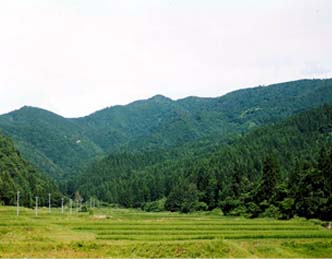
x=27 y=107
x=160 y=98
x=34 y=110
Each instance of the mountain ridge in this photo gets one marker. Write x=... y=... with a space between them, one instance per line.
x=161 y=96
x=60 y=146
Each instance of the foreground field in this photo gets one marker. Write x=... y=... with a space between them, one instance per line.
x=132 y=233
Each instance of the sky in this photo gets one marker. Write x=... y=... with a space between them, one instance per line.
x=74 y=57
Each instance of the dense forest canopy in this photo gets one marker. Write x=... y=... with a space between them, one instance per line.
x=268 y=171
x=16 y=174
x=263 y=151
x=62 y=147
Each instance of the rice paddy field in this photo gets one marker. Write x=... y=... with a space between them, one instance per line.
x=126 y=233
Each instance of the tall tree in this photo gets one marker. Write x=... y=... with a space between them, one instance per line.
x=268 y=183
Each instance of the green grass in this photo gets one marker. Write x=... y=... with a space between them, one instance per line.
x=132 y=233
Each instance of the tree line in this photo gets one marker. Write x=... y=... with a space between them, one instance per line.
x=279 y=170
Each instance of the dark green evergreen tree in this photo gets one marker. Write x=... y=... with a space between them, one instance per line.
x=268 y=182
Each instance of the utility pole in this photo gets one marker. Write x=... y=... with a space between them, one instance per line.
x=71 y=206
x=62 y=205
x=49 y=203
x=36 y=209
x=18 y=203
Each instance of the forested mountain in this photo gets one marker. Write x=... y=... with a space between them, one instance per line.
x=17 y=174
x=281 y=170
x=160 y=122
x=55 y=144
x=62 y=147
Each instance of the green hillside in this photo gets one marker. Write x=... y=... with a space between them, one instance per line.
x=62 y=147
x=270 y=170
x=160 y=122
x=55 y=144
x=17 y=174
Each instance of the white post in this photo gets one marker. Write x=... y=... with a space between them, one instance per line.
x=71 y=206
x=49 y=203
x=36 y=209
x=18 y=203
x=62 y=205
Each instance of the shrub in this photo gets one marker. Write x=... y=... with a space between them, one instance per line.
x=155 y=206
x=271 y=212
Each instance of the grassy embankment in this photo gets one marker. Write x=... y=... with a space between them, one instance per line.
x=132 y=233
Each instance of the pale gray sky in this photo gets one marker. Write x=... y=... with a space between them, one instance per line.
x=77 y=56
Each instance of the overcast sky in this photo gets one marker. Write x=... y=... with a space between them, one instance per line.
x=77 y=56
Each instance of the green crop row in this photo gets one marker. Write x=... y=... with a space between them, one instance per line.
x=193 y=228
x=182 y=237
